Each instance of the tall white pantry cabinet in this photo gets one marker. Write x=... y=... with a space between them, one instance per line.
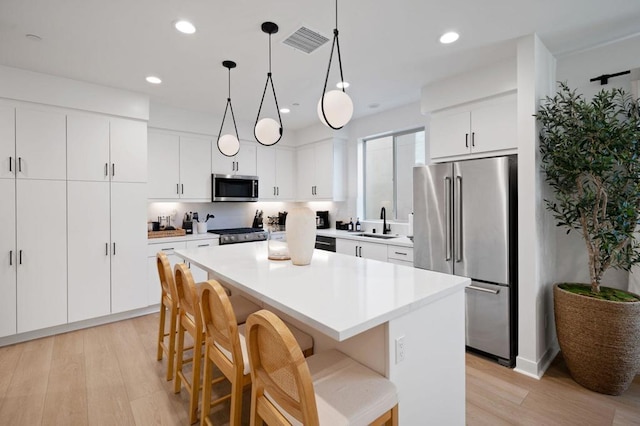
x=73 y=211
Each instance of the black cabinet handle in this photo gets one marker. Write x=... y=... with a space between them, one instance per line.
x=11 y=164
x=168 y=249
x=473 y=139
x=360 y=251
x=106 y=169
x=114 y=249
x=21 y=257
x=277 y=190
x=177 y=188
x=182 y=187
x=203 y=245
x=10 y=257
x=466 y=140
x=20 y=164
x=400 y=253
x=106 y=249
x=113 y=169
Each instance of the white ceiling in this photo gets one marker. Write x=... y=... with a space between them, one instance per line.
x=389 y=48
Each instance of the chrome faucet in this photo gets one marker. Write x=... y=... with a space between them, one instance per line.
x=383 y=216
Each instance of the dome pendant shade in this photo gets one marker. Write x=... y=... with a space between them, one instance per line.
x=335 y=108
x=268 y=131
x=228 y=144
x=338 y=109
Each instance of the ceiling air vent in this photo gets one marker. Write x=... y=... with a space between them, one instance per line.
x=305 y=40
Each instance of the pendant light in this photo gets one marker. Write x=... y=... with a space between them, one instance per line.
x=335 y=108
x=228 y=144
x=267 y=131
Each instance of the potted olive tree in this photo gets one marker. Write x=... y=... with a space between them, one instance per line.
x=591 y=156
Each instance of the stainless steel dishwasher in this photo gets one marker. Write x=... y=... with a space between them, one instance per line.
x=325 y=243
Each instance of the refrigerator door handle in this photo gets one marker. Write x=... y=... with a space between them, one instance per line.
x=447 y=214
x=457 y=209
x=485 y=290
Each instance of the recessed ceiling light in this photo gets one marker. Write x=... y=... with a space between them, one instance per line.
x=285 y=110
x=33 y=37
x=342 y=84
x=449 y=37
x=185 y=27
x=295 y=104
x=154 y=80
x=374 y=105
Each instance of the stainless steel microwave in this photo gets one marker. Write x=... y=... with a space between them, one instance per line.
x=234 y=188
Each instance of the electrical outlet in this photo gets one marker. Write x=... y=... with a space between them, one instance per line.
x=400 y=349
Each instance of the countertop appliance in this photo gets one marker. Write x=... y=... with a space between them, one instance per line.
x=234 y=188
x=465 y=223
x=239 y=235
x=322 y=219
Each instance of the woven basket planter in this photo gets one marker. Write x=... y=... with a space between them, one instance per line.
x=599 y=340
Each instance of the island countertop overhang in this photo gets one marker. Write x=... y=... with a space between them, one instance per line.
x=338 y=295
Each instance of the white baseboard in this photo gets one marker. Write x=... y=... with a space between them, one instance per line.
x=537 y=369
x=65 y=328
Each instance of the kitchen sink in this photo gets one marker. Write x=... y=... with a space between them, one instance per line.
x=380 y=236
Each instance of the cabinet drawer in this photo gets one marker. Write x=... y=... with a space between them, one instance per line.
x=401 y=262
x=400 y=253
x=167 y=248
x=202 y=243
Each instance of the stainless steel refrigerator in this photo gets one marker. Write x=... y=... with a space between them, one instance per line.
x=465 y=223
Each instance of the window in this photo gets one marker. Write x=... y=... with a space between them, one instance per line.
x=388 y=173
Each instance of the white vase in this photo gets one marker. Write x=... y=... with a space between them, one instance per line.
x=301 y=234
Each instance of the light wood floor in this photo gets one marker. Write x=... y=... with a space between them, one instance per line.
x=108 y=375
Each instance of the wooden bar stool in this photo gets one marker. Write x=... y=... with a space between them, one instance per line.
x=226 y=348
x=325 y=389
x=190 y=321
x=168 y=302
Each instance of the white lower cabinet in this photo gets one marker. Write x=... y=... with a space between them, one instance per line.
x=8 y=257
x=153 y=279
x=400 y=255
x=362 y=249
x=89 y=250
x=128 y=246
x=200 y=275
x=42 y=258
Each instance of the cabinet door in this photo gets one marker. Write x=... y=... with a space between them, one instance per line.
x=7 y=142
x=285 y=174
x=324 y=170
x=267 y=170
x=128 y=246
x=8 y=257
x=164 y=166
x=41 y=141
x=195 y=169
x=246 y=159
x=128 y=150
x=373 y=251
x=89 y=283
x=494 y=125
x=306 y=172
x=349 y=247
x=450 y=134
x=220 y=163
x=200 y=275
x=42 y=253
x=87 y=147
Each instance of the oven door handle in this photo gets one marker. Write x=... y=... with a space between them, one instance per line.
x=482 y=289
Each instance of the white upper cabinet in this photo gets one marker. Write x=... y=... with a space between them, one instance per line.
x=243 y=163
x=482 y=127
x=322 y=171
x=179 y=167
x=7 y=141
x=276 y=173
x=88 y=147
x=195 y=168
x=164 y=166
x=41 y=141
x=128 y=150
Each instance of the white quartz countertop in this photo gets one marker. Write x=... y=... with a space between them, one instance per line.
x=400 y=240
x=336 y=294
x=189 y=237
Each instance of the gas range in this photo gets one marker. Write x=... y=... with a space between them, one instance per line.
x=239 y=235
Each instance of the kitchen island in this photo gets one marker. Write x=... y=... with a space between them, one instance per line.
x=405 y=323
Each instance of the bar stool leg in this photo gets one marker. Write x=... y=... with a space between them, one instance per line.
x=195 y=382
x=163 y=314
x=177 y=383
x=172 y=341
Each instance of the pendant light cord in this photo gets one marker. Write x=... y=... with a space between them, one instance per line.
x=335 y=44
x=275 y=98
x=229 y=106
